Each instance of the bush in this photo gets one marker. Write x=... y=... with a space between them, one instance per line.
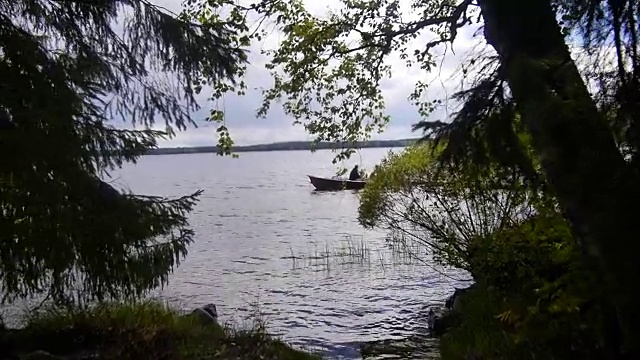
x=146 y=330
x=535 y=294
x=534 y=298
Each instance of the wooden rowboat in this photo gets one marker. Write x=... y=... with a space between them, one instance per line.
x=326 y=184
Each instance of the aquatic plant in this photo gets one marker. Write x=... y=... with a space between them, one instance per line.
x=352 y=251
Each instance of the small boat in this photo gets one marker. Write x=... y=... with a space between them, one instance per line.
x=336 y=183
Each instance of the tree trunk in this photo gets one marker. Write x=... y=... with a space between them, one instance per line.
x=577 y=151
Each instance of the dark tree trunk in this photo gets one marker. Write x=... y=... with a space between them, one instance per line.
x=577 y=150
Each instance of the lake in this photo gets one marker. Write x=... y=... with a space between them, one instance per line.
x=261 y=231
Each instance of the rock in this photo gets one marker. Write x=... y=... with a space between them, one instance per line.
x=212 y=310
x=208 y=314
x=431 y=318
x=451 y=299
x=435 y=313
x=441 y=322
x=453 y=302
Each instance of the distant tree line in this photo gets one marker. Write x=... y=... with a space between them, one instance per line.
x=285 y=146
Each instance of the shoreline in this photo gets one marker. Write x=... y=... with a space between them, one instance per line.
x=284 y=146
x=146 y=329
x=57 y=334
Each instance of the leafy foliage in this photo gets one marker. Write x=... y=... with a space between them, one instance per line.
x=535 y=294
x=221 y=14
x=327 y=70
x=68 y=70
x=442 y=208
x=535 y=297
x=609 y=32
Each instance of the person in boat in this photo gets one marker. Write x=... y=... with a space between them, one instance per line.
x=355 y=173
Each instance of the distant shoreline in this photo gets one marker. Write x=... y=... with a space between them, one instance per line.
x=284 y=146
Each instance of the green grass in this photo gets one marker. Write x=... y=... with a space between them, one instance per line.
x=145 y=330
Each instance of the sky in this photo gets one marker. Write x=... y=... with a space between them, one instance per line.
x=246 y=129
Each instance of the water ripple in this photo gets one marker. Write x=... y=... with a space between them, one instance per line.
x=261 y=232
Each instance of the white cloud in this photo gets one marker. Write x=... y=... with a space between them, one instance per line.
x=240 y=111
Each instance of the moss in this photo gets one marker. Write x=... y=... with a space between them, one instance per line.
x=146 y=330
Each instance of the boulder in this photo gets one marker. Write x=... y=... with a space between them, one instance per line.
x=435 y=313
x=452 y=302
x=441 y=322
x=208 y=314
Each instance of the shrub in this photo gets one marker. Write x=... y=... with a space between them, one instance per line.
x=535 y=298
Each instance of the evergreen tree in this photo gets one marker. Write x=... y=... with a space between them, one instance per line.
x=67 y=70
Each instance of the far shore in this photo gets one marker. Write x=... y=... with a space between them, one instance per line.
x=286 y=146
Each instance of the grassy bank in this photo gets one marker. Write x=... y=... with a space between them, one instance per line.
x=147 y=330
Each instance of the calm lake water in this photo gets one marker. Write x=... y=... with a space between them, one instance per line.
x=261 y=231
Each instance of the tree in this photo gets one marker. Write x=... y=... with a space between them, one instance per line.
x=566 y=127
x=68 y=70
x=532 y=290
x=442 y=210
x=333 y=65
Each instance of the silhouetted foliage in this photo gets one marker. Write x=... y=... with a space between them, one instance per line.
x=68 y=70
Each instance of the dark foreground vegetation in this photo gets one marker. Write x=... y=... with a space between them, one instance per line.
x=537 y=170
x=68 y=71
x=146 y=330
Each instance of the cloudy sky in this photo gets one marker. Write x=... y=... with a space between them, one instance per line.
x=246 y=129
